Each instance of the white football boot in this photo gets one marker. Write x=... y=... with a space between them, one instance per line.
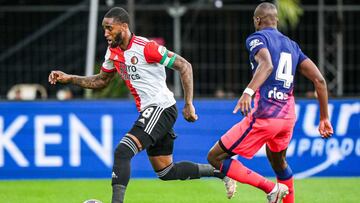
x=278 y=193
x=230 y=186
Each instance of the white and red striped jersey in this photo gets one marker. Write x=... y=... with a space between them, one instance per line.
x=142 y=67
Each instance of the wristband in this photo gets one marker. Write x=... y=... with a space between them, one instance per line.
x=249 y=91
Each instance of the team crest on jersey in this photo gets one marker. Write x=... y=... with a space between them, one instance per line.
x=254 y=43
x=134 y=60
x=161 y=50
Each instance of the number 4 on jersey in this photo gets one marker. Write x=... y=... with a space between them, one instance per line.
x=284 y=70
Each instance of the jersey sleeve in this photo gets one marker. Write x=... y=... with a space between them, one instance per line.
x=254 y=43
x=108 y=64
x=302 y=56
x=155 y=53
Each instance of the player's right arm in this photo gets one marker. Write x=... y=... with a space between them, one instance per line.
x=256 y=44
x=310 y=71
x=97 y=81
x=262 y=72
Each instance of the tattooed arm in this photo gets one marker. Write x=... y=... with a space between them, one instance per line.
x=186 y=75
x=97 y=81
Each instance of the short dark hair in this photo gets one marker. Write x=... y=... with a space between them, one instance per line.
x=119 y=14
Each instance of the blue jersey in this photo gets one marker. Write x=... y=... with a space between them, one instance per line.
x=274 y=98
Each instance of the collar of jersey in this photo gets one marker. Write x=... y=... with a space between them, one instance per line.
x=131 y=41
x=269 y=28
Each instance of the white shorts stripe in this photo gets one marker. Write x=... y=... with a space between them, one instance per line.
x=156 y=118
x=153 y=117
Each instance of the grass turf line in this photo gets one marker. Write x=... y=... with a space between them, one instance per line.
x=314 y=190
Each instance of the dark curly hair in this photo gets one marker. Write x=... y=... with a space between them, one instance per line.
x=119 y=14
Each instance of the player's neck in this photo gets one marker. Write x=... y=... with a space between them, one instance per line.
x=267 y=26
x=126 y=41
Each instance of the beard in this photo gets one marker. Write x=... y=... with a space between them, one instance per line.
x=117 y=40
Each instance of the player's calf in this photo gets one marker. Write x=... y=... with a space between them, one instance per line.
x=187 y=170
x=121 y=170
x=179 y=171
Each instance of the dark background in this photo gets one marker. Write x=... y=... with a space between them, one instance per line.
x=212 y=40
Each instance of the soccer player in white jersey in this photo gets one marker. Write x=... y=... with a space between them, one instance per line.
x=141 y=64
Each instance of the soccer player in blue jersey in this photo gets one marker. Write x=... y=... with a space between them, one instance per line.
x=274 y=59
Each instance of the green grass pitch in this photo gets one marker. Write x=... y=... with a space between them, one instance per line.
x=336 y=190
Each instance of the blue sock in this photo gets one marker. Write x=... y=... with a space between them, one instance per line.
x=285 y=174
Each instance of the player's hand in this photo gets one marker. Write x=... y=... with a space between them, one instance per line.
x=59 y=76
x=325 y=128
x=243 y=104
x=189 y=113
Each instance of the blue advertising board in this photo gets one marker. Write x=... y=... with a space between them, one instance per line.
x=76 y=139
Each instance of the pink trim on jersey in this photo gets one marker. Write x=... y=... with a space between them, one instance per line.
x=288 y=111
x=256 y=100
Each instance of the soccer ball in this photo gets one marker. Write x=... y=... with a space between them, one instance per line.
x=92 y=201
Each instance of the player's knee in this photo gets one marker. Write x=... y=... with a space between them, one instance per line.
x=126 y=149
x=213 y=159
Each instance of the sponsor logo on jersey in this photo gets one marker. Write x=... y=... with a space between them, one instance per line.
x=161 y=50
x=128 y=72
x=275 y=94
x=134 y=60
x=254 y=43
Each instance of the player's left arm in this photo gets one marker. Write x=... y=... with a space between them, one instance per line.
x=155 y=53
x=262 y=72
x=310 y=71
x=186 y=75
